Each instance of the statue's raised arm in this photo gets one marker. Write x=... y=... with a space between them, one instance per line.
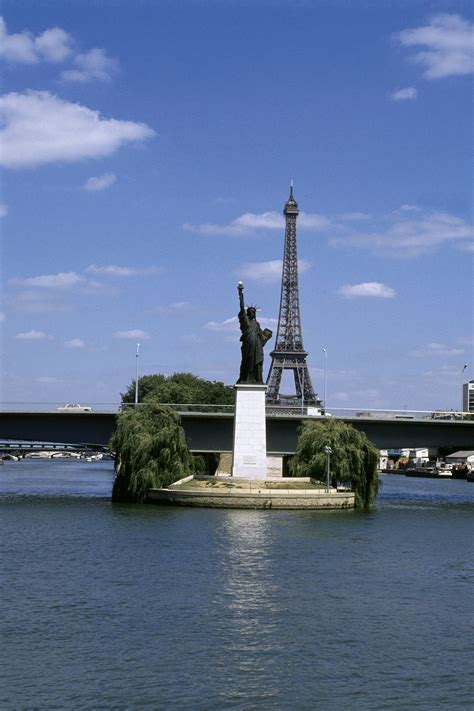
x=240 y=289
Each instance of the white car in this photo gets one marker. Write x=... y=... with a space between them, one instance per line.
x=74 y=408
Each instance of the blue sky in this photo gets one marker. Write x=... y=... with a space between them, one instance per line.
x=147 y=150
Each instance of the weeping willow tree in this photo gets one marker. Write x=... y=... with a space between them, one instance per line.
x=354 y=459
x=150 y=451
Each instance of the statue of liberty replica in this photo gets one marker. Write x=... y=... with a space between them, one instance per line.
x=253 y=339
x=249 y=451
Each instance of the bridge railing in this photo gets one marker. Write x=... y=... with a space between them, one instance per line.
x=294 y=410
x=105 y=407
x=393 y=414
x=346 y=413
x=189 y=407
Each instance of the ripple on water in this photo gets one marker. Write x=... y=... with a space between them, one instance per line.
x=119 y=607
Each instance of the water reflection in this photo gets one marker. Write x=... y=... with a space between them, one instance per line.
x=248 y=599
x=246 y=538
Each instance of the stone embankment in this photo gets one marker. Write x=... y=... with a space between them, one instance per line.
x=230 y=492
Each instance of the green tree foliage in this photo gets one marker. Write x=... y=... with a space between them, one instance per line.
x=179 y=388
x=150 y=451
x=354 y=459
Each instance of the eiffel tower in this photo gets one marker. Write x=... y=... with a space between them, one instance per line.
x=289 y=353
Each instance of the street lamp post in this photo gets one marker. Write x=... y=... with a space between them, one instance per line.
x=462 y=391
x=302 y=394
x=328 y=451
x=325 y=376
x=136 y=374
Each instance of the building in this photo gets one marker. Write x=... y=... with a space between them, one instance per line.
x=462 y=457
x=403 y=457
x=468 y=396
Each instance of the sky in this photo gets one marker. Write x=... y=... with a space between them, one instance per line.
x=146 y=154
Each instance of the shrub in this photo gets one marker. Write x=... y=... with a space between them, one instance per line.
x=150 y=451
x=354 y=459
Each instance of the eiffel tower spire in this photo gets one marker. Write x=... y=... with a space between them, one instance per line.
x=289 y=352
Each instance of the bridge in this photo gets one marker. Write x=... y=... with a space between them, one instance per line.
x=29 y=447
x=213 y=431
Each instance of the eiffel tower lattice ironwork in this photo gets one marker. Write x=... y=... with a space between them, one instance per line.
x=289 y=352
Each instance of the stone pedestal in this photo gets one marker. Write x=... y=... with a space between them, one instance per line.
x=250 y=438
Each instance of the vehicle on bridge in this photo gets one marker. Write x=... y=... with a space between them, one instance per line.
x=74 y=408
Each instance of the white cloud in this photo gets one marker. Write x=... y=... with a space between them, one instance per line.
x=39 y=128
x=32 y=336
x=134 y=333
x=181 y=306
x=176 y=307
x=372 y=289
x=246 y=223
x=267 y=272
x=53 y=45
x=232 y=324
x=251 y=222
x=408 y=93
x=32 y=301
x=75 y=343
x=94 y=64
x=445 y=374
x=447 y=46
x=408 y=208
x=116 y=271
x=436 y=349
x=265 y=322
x=411 y=237
x=56 y=45
x=354 y=216
x=266 y=220
x=19 y=47
x=3 y=210
x=313 y=221
x=45 y=292
x=2 y=316
x=63 y=280
x=101 y=182
x=48 y=379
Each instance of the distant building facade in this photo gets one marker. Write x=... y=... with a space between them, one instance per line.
x=404 y=457
x=462 y=457
x=468 y=396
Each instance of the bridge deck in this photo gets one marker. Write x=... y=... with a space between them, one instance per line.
x=213 y=432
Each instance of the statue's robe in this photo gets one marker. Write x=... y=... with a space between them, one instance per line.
x=252 y=350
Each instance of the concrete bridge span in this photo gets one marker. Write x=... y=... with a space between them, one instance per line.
x=212 y=432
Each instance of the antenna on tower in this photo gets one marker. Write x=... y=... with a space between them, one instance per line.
x=291 y=188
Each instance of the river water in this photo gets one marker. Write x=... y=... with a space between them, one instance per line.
x=145 y=607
